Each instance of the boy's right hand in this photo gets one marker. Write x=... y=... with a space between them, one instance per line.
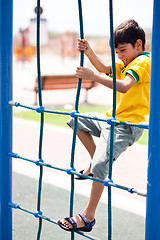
x=83 y=45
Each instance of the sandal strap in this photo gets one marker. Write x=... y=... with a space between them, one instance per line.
x=86 y=221
x=72 y=222
x=84 y=218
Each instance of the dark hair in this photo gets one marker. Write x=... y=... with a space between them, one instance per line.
x=129 y=32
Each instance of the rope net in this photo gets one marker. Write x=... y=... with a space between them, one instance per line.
x=74 y=114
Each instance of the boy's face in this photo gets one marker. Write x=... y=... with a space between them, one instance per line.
x=126 y=52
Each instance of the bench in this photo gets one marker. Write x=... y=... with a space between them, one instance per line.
x=62 y=82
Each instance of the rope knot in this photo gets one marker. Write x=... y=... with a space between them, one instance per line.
x=12 y=103
x=40 y=109
x=111 y=121
x=69 y=170
x=107 y=181
x=73 y=113
x=131 y=190
x=14 y=155
x=37 y=213
x=39 y=161
x=13 y=205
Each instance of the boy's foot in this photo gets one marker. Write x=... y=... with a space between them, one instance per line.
x=82 y=178
x=85 y=172
x=78 y=223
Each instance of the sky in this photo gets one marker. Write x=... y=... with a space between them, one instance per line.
x=63 y=15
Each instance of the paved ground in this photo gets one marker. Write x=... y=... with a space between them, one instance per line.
x=130 y=170
x=55 y=204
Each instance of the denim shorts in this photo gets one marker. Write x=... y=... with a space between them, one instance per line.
x=124 y=136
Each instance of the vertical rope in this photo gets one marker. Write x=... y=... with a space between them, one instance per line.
x=113 y=115
x=42 y=118
x=38 y=54
x=76 y=109
x=82 y=52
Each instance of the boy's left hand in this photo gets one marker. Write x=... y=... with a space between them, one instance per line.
x=84 y=73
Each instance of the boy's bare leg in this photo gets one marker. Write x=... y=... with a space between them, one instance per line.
x=87 y=141
x=96 y=192
x=89 y=144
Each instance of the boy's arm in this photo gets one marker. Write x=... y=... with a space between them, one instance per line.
x=122 y=85
x=83 y=45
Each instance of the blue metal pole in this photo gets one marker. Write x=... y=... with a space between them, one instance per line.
x=6 y=9
x=153 y=186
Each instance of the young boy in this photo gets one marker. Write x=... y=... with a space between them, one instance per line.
x=133 y=80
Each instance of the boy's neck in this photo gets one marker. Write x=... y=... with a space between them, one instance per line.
x=140 y=52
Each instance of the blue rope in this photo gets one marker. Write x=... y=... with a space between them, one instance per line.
x=39 y=214
x=113 y=115
x=42 y=119
x=108 y=182
x=74 y=114
x=38 y=54
x=76 y=110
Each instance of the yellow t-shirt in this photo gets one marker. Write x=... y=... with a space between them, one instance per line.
x=133 y=105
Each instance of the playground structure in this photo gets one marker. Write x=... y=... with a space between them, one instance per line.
x=153 y=201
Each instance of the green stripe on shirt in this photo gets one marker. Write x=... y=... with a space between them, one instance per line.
x=134 y=74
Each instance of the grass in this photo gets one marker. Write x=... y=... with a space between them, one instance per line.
x=144 y=139
x=60 y=120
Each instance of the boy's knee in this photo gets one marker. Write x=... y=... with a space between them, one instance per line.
x=70 y=123
x=99 y=170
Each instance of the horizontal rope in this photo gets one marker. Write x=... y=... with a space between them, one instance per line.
x=74 y=113
x=39 y=214
x=107 y=182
